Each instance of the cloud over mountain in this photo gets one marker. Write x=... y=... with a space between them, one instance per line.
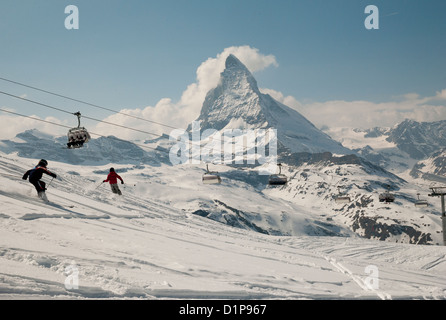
x=333 y=113
x=181 y=113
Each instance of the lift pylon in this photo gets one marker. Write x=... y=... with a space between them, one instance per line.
x=441 y=192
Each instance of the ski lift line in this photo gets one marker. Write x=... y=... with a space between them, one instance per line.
x=97 y=120
x=64 y=126
x=121 y=126
x=85 y=102
x=68 y=127
x=37 y=119
x=35 y=102
x=205 y=148
x=68 y=112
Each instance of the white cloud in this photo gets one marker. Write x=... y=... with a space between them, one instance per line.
x=289 y=101
x=180 y=114
x=441 y=95
x=366 y=114
x=11 y=125
x=335 y=113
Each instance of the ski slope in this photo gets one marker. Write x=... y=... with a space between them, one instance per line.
x=148 y=245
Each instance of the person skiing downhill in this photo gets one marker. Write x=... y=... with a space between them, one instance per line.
x=36 y=174
x=112 y=178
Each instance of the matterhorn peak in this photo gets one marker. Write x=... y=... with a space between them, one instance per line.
x=233 y=62
x=237 y=103
x=236 y=76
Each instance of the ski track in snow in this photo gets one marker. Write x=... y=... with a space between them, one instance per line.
x=140 y=247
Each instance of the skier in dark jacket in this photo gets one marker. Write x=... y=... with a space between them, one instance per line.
x=36 y=174
x=112 y=178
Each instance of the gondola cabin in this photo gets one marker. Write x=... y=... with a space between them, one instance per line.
x=278 y=179
x=386 y=197
x=420 y=203
x=342 y=198
x=77 y=136
x=211 y=177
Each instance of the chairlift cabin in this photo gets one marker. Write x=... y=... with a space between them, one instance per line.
x=386 y=197
x=211 y=177
x=77 y=136
x=421 y=203
x=342 y=198
x=278 y=179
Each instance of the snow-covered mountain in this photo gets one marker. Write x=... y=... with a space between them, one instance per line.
x=237 y=103
x=419 y=139
x=317 y=183
x=397 y=149
x=432 y=168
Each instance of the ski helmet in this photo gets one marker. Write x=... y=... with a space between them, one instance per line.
x=112 y=169
x=43 y=163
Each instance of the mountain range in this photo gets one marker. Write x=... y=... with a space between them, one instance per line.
x=318 y=167
x=402 y=149
x=419 y=140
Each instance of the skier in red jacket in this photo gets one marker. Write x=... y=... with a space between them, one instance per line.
x=112 y=178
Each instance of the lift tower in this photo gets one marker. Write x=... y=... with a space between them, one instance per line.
x=441 y=192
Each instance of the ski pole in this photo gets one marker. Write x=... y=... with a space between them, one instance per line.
x=49 y=183
x=99 y=185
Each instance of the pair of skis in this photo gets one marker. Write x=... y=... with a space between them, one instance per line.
x=44 y=198
x=42 y=194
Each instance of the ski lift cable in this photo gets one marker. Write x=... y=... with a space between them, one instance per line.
x=68 y=112
x=217 y=178
x=96 y=106
x=86 y=103
x=89 y=104
x=93 y=133
x=68 y=127
x=65 y=126
x=209 y=148
x=35 y=102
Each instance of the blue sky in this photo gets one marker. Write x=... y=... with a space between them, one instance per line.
x=132 y=54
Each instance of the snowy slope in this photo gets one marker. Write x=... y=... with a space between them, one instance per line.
x=271 y=210
x=316 y=184
x=146 y=245
x=432 y=169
